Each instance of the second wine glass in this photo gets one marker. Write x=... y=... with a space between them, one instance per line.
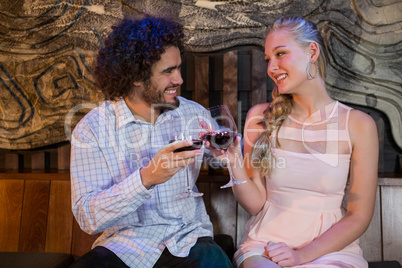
x=186 y=130
x=221 y=134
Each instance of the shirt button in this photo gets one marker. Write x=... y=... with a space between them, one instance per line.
x=165 y=206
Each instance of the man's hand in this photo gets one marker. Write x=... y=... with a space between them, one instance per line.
x=167 y=163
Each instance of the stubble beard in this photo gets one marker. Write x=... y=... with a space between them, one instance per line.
x=155 y=98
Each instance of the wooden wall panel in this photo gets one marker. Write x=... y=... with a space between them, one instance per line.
x=244 y=70
x=371 y=239
x=38 y=160
x=258 y=78
x=53 y=158
x=34 y=215
x=381 y=143
x=26 y=160
x=391 y=198
x=223 y=210
x=201 y=74
x=11 y=196
x=2 y=160
x=217 y=74
x=60 y=218
x=205 y=188
x=63 y=153
x=200 y=67
x=190 y=71
x=230 y=82
x=11 y=161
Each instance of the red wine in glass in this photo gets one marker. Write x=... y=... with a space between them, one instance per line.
x=181 y=130
x=220 y=140
x=197 y=144
x=221 y=133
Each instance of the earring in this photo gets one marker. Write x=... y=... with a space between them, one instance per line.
x=309 y=70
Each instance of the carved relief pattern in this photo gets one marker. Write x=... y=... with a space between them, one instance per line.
x=47 y=47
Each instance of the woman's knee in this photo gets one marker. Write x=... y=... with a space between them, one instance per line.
x=257 y=262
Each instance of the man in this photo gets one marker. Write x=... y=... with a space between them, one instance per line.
x=125 y=175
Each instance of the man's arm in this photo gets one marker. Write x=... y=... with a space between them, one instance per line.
x=98 y=202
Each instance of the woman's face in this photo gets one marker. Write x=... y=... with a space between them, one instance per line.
x=287 y=61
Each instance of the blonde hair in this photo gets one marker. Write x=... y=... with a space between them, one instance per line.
x=304 y=32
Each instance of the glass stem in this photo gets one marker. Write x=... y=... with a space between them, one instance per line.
x=188 y=180
x=229 y=166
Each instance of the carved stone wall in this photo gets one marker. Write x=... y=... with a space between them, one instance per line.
x=47 y=48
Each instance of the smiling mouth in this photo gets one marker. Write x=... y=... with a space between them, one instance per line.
x=171 y=91
x=281 y=77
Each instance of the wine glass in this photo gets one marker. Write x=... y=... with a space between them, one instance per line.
x=186 y=130
x=221 y=133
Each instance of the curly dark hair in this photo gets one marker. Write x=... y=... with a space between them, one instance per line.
x=131 y=49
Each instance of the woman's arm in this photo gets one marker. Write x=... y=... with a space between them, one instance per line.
x=363 y=184
x=250 y=195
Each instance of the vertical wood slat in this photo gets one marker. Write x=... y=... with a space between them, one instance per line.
x=201 y=89
x=244 y=70
x=190 y=72
x=201 y=73
x=34 y=215
x=223 y=210
x=391 y=200
x=258 y=78
x=60 y=218
x=371 y=239
x=63 y=161
x=11 y=161
x=242 y=218
x=230 y=84
x=53 y=159
x=2 y=160
x=381 y=141
x=218 y=72
x=11 y=196
x=38 y=160
x=26 y=160
x=205 y=187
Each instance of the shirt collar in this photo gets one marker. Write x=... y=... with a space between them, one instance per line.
x=122 y=113
x=125 y=116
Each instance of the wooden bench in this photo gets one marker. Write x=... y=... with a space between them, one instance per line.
x=36 y=215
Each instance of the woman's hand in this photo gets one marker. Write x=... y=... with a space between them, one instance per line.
x=282 y=254
x=234 y=150
x=218 y=154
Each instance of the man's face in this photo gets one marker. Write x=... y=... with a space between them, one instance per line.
x=165 y=80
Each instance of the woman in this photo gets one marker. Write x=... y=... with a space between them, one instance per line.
x=299 y=152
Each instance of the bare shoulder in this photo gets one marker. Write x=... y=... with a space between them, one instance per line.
x=255 y=116
x=258 y=109
x=361 y=121
x=361 y=124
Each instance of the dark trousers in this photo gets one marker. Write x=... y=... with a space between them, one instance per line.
x=204 y=254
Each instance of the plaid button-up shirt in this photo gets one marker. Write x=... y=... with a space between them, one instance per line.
x=109 y=146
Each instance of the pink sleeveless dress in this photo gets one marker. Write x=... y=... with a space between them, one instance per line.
x=305 y=188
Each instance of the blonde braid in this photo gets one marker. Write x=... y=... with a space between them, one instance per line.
x=274 y=115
